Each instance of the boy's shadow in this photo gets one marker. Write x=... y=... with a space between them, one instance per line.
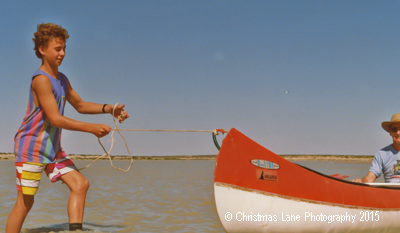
x=64 y=227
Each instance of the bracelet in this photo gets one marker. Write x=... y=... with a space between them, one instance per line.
x=104 y=107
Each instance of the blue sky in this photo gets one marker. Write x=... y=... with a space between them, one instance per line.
x=298 y=77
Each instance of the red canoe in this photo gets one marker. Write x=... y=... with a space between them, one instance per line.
x=258 y=191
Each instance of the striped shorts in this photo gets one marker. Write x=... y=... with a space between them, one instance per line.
x=29 y=174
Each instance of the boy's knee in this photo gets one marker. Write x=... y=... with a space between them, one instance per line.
x=82 y=185
x=86 y=184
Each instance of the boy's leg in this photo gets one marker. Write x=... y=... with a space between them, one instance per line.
x=78 y=185
x=65 y=170
x=27 y=182
x=20 y=211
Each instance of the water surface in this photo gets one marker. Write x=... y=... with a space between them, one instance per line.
x=154 y=196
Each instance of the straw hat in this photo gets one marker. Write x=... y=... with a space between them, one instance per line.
x=386 y=124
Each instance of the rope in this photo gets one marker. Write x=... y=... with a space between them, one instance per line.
x=112 y=144
x=107 y=153
x=170 y=130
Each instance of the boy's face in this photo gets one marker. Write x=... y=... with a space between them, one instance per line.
x=54 y=52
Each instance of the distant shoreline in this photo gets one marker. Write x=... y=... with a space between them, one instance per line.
x=345 y=158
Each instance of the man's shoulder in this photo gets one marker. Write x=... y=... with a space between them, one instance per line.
x=387 y=148
x=386 y=151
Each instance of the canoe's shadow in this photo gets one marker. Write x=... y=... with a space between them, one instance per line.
x=64 y=227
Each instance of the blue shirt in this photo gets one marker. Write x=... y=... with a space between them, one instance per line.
x=387 y=161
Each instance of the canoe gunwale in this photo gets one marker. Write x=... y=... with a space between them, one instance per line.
x=348 y=182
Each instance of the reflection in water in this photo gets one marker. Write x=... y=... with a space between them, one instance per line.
x=63 y=227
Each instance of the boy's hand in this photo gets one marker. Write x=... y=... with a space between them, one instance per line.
x=101 y=130
x=120 y=113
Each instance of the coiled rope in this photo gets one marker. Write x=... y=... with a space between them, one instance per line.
x=107 y=153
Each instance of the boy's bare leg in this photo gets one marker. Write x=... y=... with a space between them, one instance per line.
x=78 y=185
x=20 y=211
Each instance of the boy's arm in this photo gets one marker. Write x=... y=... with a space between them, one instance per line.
x=41 y=87
x=93 y=108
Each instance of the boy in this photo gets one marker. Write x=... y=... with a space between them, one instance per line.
x=37 y=143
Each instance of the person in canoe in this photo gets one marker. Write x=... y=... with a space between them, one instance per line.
x=387 y=160
x=37 y=145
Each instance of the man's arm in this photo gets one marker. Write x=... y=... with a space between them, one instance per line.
x=42 y=89
x=93 y=108
x=369 y=178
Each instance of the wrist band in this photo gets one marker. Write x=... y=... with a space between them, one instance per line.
x=104 y=107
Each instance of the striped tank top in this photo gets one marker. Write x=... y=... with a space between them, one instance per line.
x=37 y=140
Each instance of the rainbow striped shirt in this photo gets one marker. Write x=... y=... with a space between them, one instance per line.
x=37 y=140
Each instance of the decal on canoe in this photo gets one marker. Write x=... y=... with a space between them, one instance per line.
x=265 y=164
x=269 y=175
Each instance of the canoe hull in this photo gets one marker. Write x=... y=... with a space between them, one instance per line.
x=242 y=210
x=265 y=193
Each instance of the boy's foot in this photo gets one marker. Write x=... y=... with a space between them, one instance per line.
x=75 y=226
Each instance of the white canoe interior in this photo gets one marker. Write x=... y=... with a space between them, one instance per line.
x=384 y=184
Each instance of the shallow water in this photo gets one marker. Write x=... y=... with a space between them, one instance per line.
x=154 y=196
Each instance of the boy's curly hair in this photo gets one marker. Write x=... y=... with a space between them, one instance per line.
x=46 y=32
